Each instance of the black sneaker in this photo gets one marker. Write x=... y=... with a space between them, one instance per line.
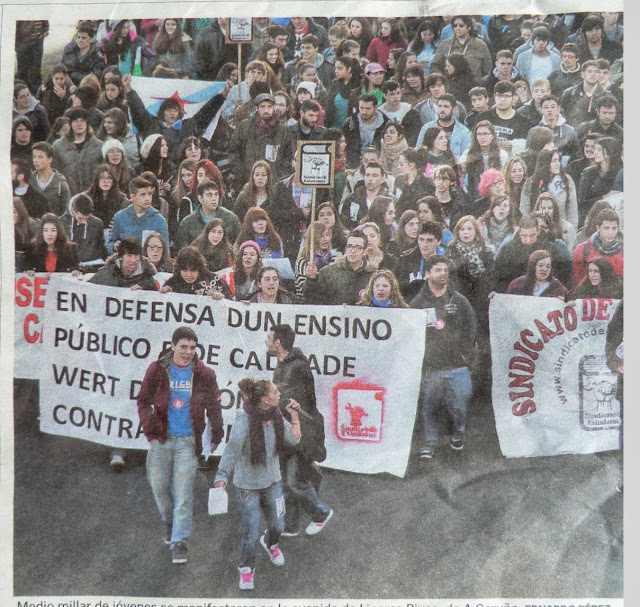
x=456 y=442
x=167 y=534
x=179 y=553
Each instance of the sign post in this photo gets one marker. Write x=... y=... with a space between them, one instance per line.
x=239 y=31
x=315 y=168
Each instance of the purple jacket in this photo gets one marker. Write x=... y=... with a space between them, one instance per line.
x=555 y=289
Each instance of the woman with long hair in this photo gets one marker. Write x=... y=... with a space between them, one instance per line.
x=382 y=212
x=155 y=158
x=360 y=32
x=389 y=37
x=191 y=276
x=247 y=262
x=415 y=87
x=214 y=246
x=383 y=291
x=461 y=78
x=270 y=289
x=113 y=155
x=405 y=58
x=410 y=183
x=273 y=57
x=435 y=144
x=348 y=74
x=190 y=149
x=560 y=229
x=597 y=181
x=258 y=191
x=105 y=194
x=326 y=213
x=125 y=49
x=51 y=251
x=452 y=198
x=538 y=280
x=24 y=232
x=483 y=153
x=205 y=170
x=539 y=138
x=589 y=228
x=498 y=222
x=515 y=176
x=323 y=254
x=258 y=438
x=55 y=92
x=155 y=249
x=375 y=252
x=393 y=144
x=115 y=126
x=174 y=46
x=601 y=282
x=257 y=227
x=429 y=209
x=180 y=190
x=550 y=177
x=113 y=95
x=424 y=43
x=60 y=128
x=406 y=236
x=473 y=268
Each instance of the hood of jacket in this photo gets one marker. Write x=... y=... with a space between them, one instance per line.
x=32 y=105
x=145 y=269
x=343 y=264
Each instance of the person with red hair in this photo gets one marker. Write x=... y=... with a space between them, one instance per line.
x=491 y=185
x=205 y=170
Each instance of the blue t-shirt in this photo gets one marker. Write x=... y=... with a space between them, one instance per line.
x=179 y=415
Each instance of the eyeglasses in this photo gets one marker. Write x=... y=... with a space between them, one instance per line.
x=459 y=25
x=354 y=247
x=154 y=247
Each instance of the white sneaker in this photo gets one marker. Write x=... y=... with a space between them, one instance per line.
x=315 y=528
x=246 y=578
x=117 y=463
x=274 y=552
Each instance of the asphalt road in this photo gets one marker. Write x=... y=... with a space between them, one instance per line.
x=473 y=524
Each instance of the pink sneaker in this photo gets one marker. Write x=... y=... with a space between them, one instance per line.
x=274 y=552
x=246 y=578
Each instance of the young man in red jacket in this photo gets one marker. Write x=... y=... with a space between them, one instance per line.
x=176 y=391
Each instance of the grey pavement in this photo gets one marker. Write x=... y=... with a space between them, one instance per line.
x=470 y=524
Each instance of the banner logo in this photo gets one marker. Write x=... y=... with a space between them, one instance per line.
x=358 y=408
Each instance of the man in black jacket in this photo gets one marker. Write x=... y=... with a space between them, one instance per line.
x=363 y=129
x=294 y=379
x=445 y=389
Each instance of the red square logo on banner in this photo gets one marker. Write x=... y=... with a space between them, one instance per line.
x=358 y=409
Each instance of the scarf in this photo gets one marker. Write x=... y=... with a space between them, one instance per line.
x=256 y=431
x=322 y=259
x=497 y=232
x=265 y=127
x=391 y=153
x=380 y=304
x=471 y=255
x=607 y=250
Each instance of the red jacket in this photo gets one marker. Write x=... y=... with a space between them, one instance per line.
x=153 y=402
x=379 y=50
x=585 y=252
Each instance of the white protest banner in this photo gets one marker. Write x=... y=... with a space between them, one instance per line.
x=552 y=390
x=99 y=343
x=30 y=292
x=191 y=95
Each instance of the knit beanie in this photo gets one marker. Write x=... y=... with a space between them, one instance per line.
x=147 y=144
x=109 y=144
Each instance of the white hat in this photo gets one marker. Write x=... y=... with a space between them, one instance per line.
x=309 y=86
x=147 y=144
x=109 y=144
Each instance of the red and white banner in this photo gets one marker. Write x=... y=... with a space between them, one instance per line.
x=98 y=344
x=552 y=390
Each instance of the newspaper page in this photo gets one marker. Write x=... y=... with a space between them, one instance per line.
x=521 y=505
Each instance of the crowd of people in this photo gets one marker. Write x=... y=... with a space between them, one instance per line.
x=474 y=155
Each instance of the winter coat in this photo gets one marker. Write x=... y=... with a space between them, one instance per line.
x=561 y=80
x=88 y=237
x=54 y=105
x=78 y=66
x=475 y=50
x=317 y=133
x=191 y=226
x=460 y=137
x=593 y=186
x=111 y=275
x=338 y=283
x=555 y=288
x=127 y=223
x=147 y=55
x=211 y=52
x=78 y=166
x=450 y=344
x=409 y=194
x=587 y=250
x=182 y=61
x=567 y=201
x=154 y=395
x=206 y=283
x=380 y=49
x=351 y=130
x=148 y=124
x=56 y=192
x=525 y=62
x=565 y=138
x=248 y=145
x=35 y=202
x=67 y=261
x=354 y=208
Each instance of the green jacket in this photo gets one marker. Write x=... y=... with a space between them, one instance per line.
x=192 y=225
x=57 y=192
x=338 y=283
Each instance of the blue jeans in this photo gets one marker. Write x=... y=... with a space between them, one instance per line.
x=299 y=492
x=171 y=470
x=249 y=503
x=448 y=389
